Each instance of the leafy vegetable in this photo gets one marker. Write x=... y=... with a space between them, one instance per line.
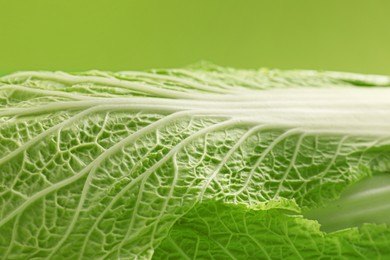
x=204 y=162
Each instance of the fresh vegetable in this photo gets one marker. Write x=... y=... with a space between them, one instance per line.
x=197 y=163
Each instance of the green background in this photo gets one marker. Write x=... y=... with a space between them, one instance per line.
x=79 y=35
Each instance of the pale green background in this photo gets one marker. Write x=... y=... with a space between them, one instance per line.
x=78 y=35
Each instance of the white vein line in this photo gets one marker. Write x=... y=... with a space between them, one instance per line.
x=77 y=104
x=208 y=80
x=183 y=81
x=13 y=238
x=18 y=193
x=264 y=154
x=102 y=128
x=168 y=198
x=334 y=157
x=46 y=92
x=76 y=214
x=178 y=249
x=292 y=162
x=224 y=249
x=249 y=84
x=97 y=160
x=114 y=82
x=228 y=155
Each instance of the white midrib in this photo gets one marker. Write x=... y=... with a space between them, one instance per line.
x=342 y=110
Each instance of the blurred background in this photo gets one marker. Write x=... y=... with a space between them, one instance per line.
x=79 y=35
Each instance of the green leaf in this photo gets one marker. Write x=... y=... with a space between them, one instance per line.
x=217 y=231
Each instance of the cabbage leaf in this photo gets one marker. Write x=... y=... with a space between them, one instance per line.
x=197 y=163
